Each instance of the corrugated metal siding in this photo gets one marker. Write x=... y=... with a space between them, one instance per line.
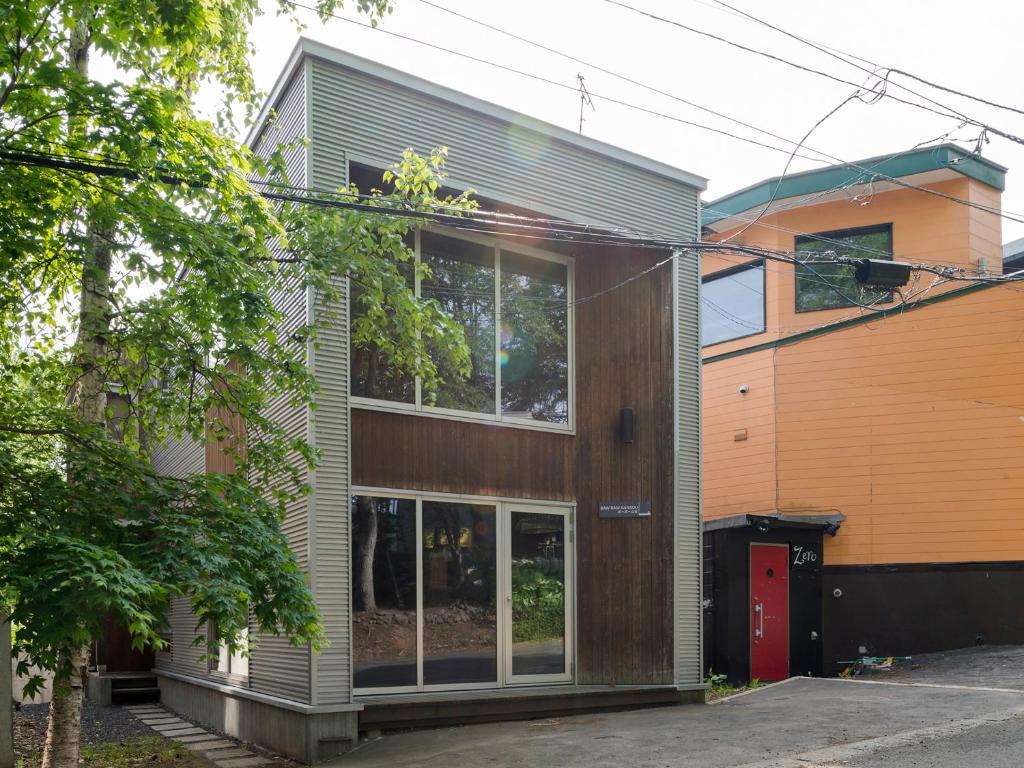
x=332 y=678
x=276 y=666
x=687 y=595
x=372 y=121
x=181 y=458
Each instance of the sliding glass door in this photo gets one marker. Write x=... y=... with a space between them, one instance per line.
x=453 y=594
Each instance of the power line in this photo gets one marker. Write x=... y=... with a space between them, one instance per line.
x=1010 y=216
x=586 y=235
x=881 y=85
x=834 y=53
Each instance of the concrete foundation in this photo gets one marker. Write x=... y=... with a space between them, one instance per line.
x=98 y=690
x=300 y=731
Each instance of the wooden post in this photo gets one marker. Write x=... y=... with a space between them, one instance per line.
x=6 y=697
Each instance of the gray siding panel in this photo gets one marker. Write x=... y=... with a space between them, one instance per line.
x=372 y=120
x=332 y=677
x=182 y=458
x=277 y=667
x=688 y=549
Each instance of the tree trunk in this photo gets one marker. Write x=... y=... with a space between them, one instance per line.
x=65 y=726
x=367 y=548
x=89 y=396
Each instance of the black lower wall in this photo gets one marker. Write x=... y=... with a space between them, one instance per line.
x=902 y=610
x=727 y=599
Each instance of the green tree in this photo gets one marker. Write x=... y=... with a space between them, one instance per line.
x=137 y=307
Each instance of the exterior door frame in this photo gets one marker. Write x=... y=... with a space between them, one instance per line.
x=505 y=614
x=750 y=589
x=503 y=516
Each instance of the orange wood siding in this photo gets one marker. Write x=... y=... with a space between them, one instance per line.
x=739 y=475
x=913 y=428
x=911 y=425
x=925 y=228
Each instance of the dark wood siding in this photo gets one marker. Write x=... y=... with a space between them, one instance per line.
x=624 y=567
x=397 y=450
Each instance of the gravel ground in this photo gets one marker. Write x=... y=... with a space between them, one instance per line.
x=99 y=724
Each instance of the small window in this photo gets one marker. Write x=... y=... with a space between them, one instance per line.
x=827 y=285
x=732 y=304
x=232 y=664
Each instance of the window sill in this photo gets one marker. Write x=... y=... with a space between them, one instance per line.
x=485 y=419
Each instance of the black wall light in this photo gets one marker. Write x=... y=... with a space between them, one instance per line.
x=627 y=421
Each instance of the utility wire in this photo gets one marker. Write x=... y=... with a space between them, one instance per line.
x=835 y=53
x=593 y=236
x=811 y=70
x=1010 y=216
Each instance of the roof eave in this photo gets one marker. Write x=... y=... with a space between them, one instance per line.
x=943 y=156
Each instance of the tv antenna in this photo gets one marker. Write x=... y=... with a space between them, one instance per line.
x=585 y=100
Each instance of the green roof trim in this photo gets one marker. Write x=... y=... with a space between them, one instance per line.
x=861 y=172
x=843 y=324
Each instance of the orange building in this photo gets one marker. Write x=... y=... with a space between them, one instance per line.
x=863 y=492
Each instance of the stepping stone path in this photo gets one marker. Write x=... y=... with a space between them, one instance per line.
x=223 y=752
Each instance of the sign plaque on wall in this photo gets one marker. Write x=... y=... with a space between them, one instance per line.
x=624 y=509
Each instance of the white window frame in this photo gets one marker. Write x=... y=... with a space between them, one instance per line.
x=419 y=408
x=233 y=667
x=503 y=508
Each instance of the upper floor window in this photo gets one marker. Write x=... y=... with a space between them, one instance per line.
x=827 y=285
x=732 y=304
x=514 y=307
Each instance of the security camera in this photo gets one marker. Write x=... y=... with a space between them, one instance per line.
x=744 y=388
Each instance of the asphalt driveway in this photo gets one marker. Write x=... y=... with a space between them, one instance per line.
x=934 y=715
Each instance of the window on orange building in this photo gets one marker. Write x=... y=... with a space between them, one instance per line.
x=823 y=284
x=732 y=304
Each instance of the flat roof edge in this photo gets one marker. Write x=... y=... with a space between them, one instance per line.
x=897 y=165
x=312 y=48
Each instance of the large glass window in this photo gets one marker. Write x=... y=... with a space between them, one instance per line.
x=461 y=280
x=383 y=591
x=460 y=635
x=823 y=284
x=732 y=304
x=372 y=373
x=515 y=311
x=456 y=593
x=534 y=339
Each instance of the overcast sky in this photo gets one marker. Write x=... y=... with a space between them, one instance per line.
x=970 y=46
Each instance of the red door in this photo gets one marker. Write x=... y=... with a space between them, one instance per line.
x=769 y=611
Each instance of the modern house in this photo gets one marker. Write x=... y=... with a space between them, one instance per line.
x=566 y=470
x=863 y=493
x=1013 y=256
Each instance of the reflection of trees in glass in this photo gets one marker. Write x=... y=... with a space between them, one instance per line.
x=538 y=577
x=538 y=600
x=384 y=556
x=383 y=592
x=534 y=339
x=461 y=280
x=464 y=533
x=373 y=373
x=812 y=290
